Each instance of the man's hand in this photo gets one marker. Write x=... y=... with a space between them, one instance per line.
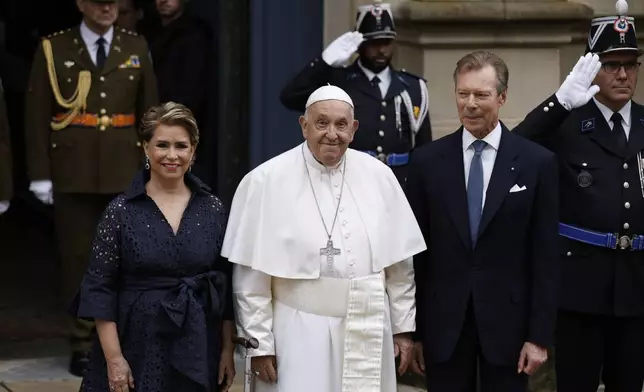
x=42 y=189
x=340 y=51
x=578 y=89
x=418 y=359
x=531 y=358
x=265 y=368
x=403 y=346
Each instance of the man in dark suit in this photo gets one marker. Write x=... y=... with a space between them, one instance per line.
x=486 y=201
x=600 y=327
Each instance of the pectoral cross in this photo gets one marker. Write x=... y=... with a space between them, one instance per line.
x=329 y=252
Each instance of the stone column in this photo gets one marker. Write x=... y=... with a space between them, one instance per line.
x=532 y=36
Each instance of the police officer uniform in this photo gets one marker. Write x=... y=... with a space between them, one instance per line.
x=86 y=97
x=600 y=326
x=391 y=123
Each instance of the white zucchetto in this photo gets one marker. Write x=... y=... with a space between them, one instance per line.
x=329 y=92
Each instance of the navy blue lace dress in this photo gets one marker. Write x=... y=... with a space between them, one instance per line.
x=167 y=293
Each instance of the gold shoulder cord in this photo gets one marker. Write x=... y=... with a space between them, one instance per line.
x=76 y=102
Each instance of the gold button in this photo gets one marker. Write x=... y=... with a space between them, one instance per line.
x=626 y=226
x=625 y=166
x=102 y=128
x=102 y=78
x=383 y=103
x=103 y=95
x=626 y=185
x=104 y=121
x=379 y=149
x=627 y=205
x=381 y=133
x=382 y=117
x=103 y=111
x=131 y=77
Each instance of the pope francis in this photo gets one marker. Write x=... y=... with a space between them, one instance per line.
x=322 y=238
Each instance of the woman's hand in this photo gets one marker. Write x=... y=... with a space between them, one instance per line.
x=119 y=375
x=227 y=368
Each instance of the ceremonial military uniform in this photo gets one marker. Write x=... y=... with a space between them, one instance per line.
x=601 y=295
x=390 y=125
x=81 y=133
x=6 y=177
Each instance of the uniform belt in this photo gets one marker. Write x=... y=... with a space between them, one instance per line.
x=391 y=159
x=96 y=120
x=605 y=240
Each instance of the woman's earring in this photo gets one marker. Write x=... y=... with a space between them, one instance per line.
x=147 y=163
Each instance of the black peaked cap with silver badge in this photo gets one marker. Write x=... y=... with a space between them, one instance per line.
x=613 y=33
x=375 y=21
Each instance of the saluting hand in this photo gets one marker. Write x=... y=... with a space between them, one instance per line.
x=531 y=358
x=265 y=368
x=578 y=87
x=340 y=51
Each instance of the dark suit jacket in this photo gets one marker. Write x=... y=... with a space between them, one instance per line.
x=600 y=190
x=512 y=272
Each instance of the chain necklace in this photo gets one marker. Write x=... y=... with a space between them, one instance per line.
x=329 y=251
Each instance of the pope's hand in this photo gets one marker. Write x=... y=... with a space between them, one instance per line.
x=578 y=89
x=418 y=360
x=265 y=368
x=42 y=189
x=403 y=346
x=340 y=51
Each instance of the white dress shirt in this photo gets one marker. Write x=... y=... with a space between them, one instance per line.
x=625 y=111
x=488 y=156
x=90 y=38
x=384 y=76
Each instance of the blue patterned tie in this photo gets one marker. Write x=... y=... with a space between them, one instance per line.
x=475 y=190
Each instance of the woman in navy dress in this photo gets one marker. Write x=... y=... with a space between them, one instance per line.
x=156 y=285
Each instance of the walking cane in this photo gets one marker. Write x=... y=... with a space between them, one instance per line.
x=247 y=344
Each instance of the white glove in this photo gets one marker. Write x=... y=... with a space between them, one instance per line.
x=340 y=51
x=43 y=190
x=578 y=87
x=4 y=206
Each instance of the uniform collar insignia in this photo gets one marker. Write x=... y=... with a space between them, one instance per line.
x=587 y=125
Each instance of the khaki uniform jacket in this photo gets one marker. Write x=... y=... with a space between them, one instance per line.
x=96 y=158
x=6 y=178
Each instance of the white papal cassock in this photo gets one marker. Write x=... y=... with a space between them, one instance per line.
x=330 y=324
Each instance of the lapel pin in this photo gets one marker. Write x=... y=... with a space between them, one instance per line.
x=587 y=125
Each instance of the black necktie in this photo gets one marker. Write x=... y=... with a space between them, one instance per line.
x=100 y=54
x=618 y=131
x=375 y=82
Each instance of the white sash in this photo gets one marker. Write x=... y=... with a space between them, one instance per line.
x=361 y=301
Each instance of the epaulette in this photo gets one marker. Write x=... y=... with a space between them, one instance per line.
x=56 y=34
x=126 y=31
x=404 y=73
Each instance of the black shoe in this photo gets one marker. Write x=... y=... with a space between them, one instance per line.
x=79 y=363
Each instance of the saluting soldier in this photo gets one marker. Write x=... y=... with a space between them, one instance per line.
x=391 y=105
x=88 y=88
x=6 y=175
x=600 y=327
